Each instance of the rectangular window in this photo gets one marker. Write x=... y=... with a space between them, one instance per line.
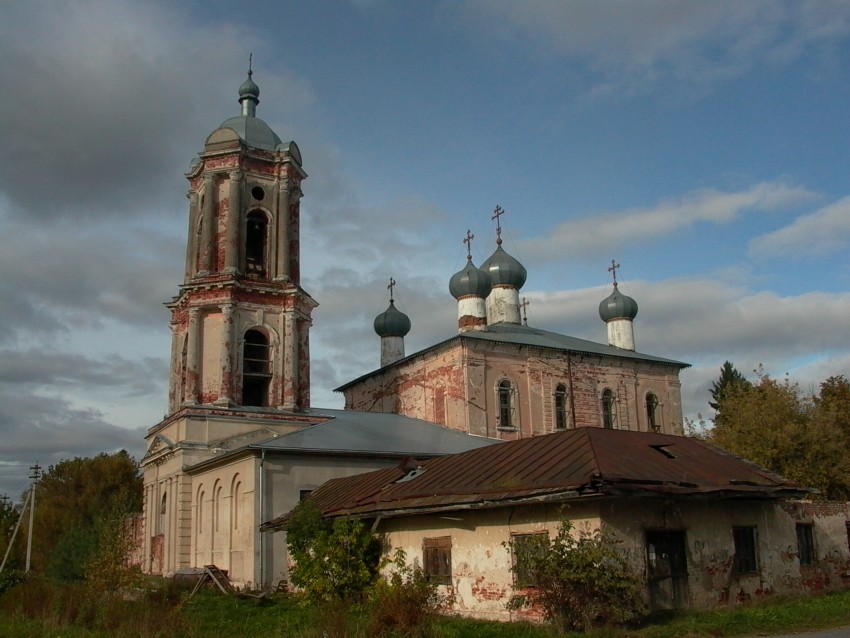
x=847 y=525
x=745 y=550
x=806 y=543
x=526 y=548
x=302 y=494
x=437 y=559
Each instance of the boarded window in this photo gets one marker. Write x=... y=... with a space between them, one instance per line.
x=525 y=550
x=506 y=404
x=651 y=417
x=746 y=561
x=561 y=407
x=609 y=416
x=437 y=559
x=806 y=543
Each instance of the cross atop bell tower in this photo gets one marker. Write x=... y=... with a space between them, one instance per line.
x=241 y=321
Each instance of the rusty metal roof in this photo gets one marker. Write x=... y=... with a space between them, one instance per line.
x=586 y=461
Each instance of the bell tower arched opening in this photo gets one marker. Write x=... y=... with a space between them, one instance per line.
x=256 y=244
x=256 y=369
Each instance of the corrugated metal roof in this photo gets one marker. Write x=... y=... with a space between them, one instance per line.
x=351 y=431
x=528 y=336
x=583 y=461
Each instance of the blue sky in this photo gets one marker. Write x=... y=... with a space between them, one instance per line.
x=703 y=145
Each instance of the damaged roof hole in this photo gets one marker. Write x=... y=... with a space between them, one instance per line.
x=663 y=449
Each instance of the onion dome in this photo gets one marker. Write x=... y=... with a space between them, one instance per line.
x=392 y=322
x=504 y=270
x=253 y=131
x=470 y=281
x=249 y=89
x=617 y=306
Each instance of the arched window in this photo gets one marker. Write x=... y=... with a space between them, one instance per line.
x=200 y=513
x=163 y=514
x=506 y=404
x=256 y=240
x=236 y=503
x=609 y=414
x=256 y=369
x=651 y=405
x=216 y=508
x=561 y=407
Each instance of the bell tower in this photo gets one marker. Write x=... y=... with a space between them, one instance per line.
x=241 y=321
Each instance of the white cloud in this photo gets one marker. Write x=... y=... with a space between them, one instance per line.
x=818 y=234
x=610 y=231
x=632 y=46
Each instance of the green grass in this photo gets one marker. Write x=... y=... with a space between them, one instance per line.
x=210 y=614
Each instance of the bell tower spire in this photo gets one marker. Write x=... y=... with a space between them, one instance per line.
x=241 y=321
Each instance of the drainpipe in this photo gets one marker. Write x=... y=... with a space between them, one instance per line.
x=262 y=517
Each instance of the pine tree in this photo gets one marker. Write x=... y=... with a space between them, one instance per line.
x=730 y=380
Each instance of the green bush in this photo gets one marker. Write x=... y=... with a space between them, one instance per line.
x=406 y=602
x=582 y=582
x=333 y=559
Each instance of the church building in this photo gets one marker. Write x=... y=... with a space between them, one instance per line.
x=499 y=377
x=240 y=442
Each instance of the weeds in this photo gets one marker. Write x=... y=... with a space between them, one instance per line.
x=41 y=607
x=406 y=602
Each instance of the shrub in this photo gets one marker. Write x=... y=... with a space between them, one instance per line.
x=582 y=581
x=406 y=602
x=333 y=560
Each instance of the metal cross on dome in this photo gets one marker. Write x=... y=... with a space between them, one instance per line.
x=390 y=288
x=497 y=213
x=524 y=306
x=468 y=241
x=613 y=271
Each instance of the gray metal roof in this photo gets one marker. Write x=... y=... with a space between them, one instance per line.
x=351 y=431
x=253 y=131
x=528 y=336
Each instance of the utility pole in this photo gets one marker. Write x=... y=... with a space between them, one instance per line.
x=15 y=533
x=36 y=474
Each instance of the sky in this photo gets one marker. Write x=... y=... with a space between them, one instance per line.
x=702 y=145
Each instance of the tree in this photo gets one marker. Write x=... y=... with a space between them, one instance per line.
x=72 y=498
x=801 y=437
x=582 y=581
x=730 y=380
x=831 y=428
x=334 y=560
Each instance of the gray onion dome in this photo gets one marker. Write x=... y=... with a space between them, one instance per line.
x=470 y=281
x=617 y=306
x=504 y=270
x=253 y=131
x=392 y=323
x=249 y=89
